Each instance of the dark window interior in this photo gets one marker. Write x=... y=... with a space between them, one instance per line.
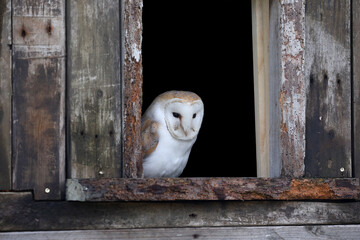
x=206 y=48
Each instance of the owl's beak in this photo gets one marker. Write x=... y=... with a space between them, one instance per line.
x=186 y=126
x=186 y=133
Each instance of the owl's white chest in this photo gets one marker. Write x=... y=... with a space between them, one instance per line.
x=170 y=156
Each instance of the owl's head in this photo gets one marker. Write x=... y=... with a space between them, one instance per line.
x=183 y=113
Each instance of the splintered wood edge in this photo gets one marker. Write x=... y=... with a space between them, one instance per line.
x=178 y=189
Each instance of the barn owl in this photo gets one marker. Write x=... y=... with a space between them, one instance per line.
x=169 y=128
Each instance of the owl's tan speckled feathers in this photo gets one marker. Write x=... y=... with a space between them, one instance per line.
x=183 y=95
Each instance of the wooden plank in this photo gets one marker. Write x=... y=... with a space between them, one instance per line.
x=274 y=88
x=356 y=85
x=94 y=89
x=328 y=80
x=132 y=82
x=171 y=189
x=39 y=98
x=5 y=95
x=270 y=232
x=291 y=101
x=292 y=90
x=260 y=32
x=19 y=212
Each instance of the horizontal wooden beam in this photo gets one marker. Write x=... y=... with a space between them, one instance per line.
x=269 y=232
x=19 y=212
x=172 y=189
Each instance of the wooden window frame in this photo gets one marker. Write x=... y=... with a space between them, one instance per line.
x=280 y=148
x=289 y=187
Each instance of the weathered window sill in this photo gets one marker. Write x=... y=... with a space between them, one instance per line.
x=173 y=189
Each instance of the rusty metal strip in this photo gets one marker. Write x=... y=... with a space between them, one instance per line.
x=173 y=189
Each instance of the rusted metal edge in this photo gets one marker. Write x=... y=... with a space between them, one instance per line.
x=245 y=189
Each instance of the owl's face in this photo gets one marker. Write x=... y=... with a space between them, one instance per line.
x=183 y=118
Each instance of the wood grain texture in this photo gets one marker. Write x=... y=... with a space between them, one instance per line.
x=328 y=82
x=39 y=98
x=19 y=212
x=94 y=89
x=286 y=88
x=132 y=87
x=275 y=160
x=292 y=89
x=270 y=232
x=5 y=95
x=171 y=189
x=356 y=85
x=260 y=26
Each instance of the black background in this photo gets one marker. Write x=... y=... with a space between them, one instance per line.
x=206 y=48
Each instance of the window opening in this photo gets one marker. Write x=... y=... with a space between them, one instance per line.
x=206 y=49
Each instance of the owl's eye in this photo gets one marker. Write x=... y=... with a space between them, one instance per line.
x=176 y=115
x=194 y=115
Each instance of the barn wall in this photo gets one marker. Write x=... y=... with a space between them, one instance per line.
x=297 y=105
x=310 y=88
x=19 y=212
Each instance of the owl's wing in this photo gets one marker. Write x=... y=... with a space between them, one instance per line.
x=150 y=136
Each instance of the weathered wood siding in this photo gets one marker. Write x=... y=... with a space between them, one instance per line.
x=310 y=91
x=287 y=89
x=94 y=89
x=39 y=97
x=292 y=90
x=274 y=88
x=310 y=88
x=5 y=94
x=356 y=85
x=209 y=233
x=174 y=189
x=103 y=92
x=19 y=212
x=328 y=83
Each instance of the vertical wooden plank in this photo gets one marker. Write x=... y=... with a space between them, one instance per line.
x=328 y=80
x=274 y=88
x=5 y=95
x=39 y=97
x=132 y=82
x=94 y=89
x=260 y=32
x=291 y=96
x=356 y=85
